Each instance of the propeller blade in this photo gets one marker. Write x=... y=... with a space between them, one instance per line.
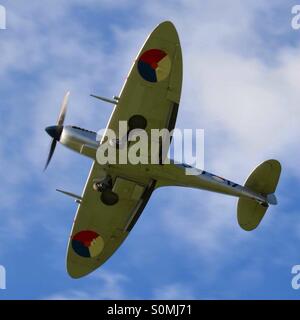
x=55 y=131
x=52 y=148
x=63 y=110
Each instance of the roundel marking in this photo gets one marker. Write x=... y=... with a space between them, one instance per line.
x=87 y=243
x=154 y=65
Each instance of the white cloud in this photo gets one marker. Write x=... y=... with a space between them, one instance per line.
x=173 y=291
x=108 y=286
x=113 y=286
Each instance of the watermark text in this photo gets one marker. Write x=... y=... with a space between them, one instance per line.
x=139 y=146
x=2 y=278
x=295 y=23
x=2 y=17
x=296 y=279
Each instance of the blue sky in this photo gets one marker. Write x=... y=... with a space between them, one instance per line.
x=241 y=74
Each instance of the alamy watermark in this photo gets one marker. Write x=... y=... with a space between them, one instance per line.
x=2 y=278
x=295 y=23
x=138 y=146
x=2 y=17
x=296 y=279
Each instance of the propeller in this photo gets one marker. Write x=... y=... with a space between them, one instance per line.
x=55 y=131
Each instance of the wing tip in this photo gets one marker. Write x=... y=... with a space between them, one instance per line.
x=76 y=272
x=167 y=28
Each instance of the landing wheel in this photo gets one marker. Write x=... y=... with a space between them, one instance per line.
x=109 y=197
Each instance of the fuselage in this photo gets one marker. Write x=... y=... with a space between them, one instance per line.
x=86 y=143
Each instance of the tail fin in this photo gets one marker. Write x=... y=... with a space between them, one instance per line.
x=264 y=180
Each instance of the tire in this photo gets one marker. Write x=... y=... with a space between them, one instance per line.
x=109 y=197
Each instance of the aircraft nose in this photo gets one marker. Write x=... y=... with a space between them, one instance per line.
x=55 y=132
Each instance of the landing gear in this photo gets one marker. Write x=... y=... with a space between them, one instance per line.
x=109 y=197
x=104 y=186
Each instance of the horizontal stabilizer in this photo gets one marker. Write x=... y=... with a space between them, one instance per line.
x=263 y=180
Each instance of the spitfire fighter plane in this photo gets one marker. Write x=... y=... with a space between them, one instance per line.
x=115 y=195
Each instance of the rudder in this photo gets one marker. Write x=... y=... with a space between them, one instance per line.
x=263 y=180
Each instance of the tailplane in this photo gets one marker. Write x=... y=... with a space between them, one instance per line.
x=263 y=180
